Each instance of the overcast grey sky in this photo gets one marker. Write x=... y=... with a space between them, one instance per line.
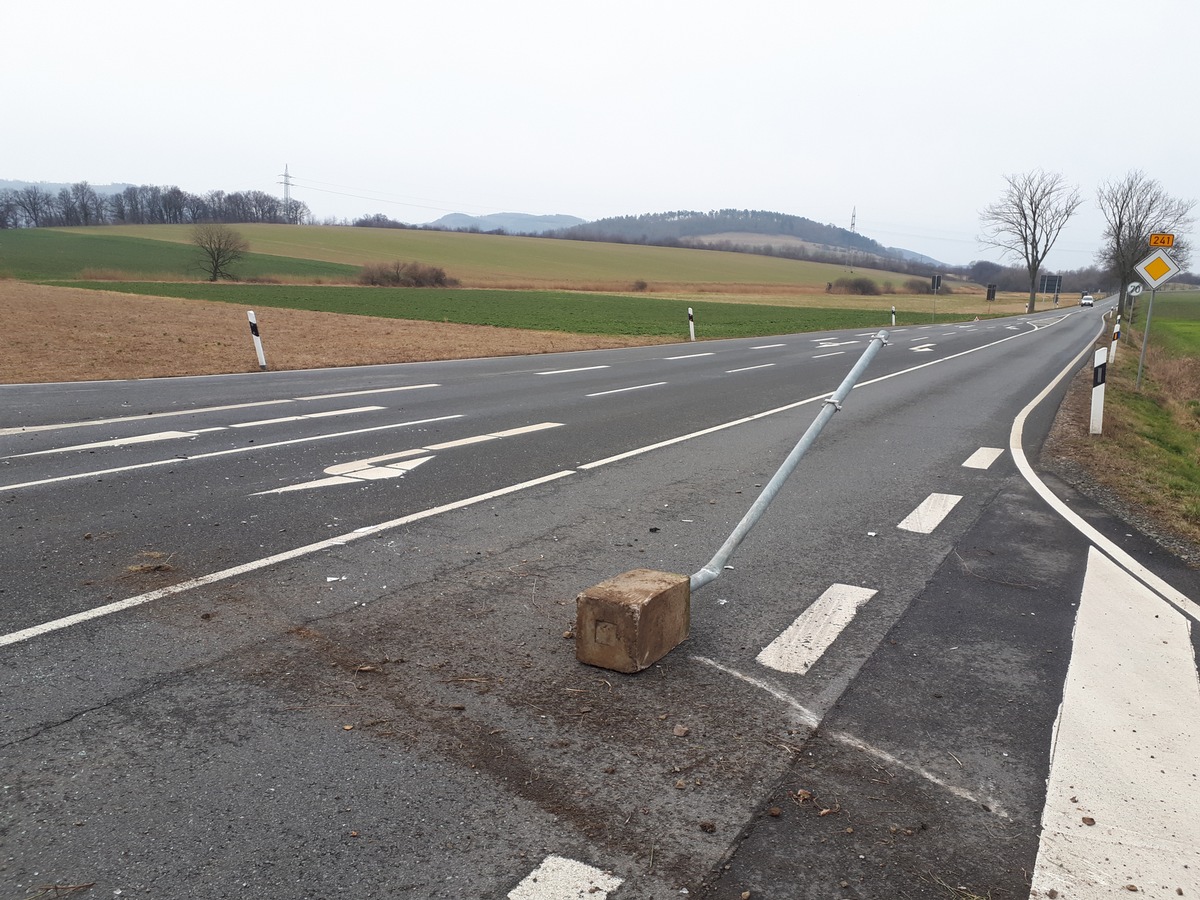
x=912 y=112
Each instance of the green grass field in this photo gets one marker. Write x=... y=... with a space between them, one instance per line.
x=579 y=313
x=1175 y=322
x=503 y=261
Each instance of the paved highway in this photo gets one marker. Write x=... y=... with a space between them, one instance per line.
x=303 y=633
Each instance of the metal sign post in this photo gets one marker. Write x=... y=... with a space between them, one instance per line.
x=1156 y=269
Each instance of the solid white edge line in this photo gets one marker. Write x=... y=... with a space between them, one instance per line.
x=1165 y=590
x=307 y=550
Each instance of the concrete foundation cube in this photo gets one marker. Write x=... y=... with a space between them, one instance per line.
x=633 y=620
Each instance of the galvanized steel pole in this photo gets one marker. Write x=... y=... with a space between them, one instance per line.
x=832 y=404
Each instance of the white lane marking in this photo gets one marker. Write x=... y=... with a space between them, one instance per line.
x=559 y=878
x=174 y=435
x=29 y=429
x=356 y=476
x=178 y=460
x=1015 y=437
x=767 y=346
x=461 y=442
x=372 y=470
x=1128 y=727
x=803 y=642
x=567 y=371
x=923 y=348
x=823 y=355
x=115 y=442
x=386 y=390
x=636 y=387
x=929 y=515
x=87 y=615
x=983 y=458
x=749 y=368
x=790 y=406
x=812 y=720
x=317 y=415
x=690 y=355
x=823 y=345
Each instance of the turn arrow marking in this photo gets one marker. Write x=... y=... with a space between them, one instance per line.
x=363 y=472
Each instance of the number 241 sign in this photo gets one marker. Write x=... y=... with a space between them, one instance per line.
x=1162 y=240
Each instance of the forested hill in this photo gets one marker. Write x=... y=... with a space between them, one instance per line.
x=685 y=226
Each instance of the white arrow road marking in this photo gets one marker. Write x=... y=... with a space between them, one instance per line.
x=923 y=348
x=798 y=648
x=559 y=878
x=1123 y=791
x=381 y=467
x=929 y=515
x=357 y=476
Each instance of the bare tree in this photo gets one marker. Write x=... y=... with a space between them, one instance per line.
x=220 y=248
x=1027 y=220
x=1134 y=208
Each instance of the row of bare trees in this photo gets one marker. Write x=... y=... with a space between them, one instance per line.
x=147 y=204
x=1035 y=207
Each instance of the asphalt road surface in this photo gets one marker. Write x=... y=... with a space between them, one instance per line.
x=309 y=634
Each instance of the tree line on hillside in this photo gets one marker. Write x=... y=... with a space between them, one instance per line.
x=148 y=204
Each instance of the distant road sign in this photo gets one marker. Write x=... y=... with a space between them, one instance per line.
x=1134 y=289
x=1162 y=240
x=1157 y=268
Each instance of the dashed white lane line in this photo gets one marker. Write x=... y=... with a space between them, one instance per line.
x=749 y=368
x=834 y=353
x=929 y=515
x=690 y=355
x=803 y=642
x=983 y=458
x=568 y=371
x=767 y=346
x=1123 y=788
x=636 y=387
x=559 y=878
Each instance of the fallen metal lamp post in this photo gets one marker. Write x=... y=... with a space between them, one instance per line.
x=629 y=622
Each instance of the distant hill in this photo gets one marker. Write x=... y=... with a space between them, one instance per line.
x=743 y=229
x=513 y=223
x=53 y=188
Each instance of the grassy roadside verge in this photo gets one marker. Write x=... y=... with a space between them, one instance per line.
x=1148 y=458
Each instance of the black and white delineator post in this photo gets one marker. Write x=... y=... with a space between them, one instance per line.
x=1112 y=349
x=1099 y=372
x=893 y=317
x=262 y=360
x=691 y=323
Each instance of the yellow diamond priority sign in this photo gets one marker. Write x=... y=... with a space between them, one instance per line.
x=1157 y=268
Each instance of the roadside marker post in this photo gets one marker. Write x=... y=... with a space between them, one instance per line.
x=691 y=324
x=1112 y=350
x=258 y=347
x=1099 y=375
x=893 y=317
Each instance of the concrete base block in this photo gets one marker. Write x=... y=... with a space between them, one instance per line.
x=633 y=620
